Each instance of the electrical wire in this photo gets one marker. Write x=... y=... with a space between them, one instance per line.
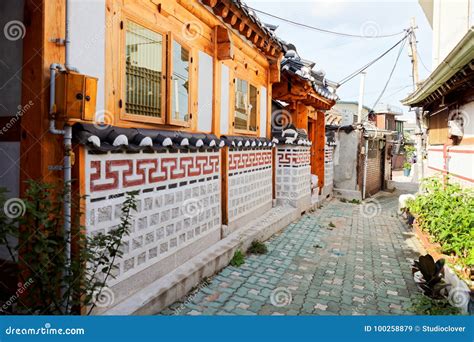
x=320 y=29
x=422 y=63
x=391 y=74
x=363 y=68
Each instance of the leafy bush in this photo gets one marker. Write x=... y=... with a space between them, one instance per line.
x=238 y=259
x=60 y=286
x=446 y=212
x=257 y=247
x=423 y=305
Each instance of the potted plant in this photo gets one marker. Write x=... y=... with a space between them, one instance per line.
x=406 y=169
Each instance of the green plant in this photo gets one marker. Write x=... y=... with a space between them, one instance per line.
x=432 y=281
x=257 y=247
x=446 y=212
x=61 y=286
x=423 y=305
x=354 y=201
x=238 y=259
x=407 y=166
x=331 y=224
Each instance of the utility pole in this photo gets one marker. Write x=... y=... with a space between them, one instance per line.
x=418 y=113
x=361 y=96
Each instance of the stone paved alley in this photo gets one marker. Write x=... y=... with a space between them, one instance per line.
x=342 y=259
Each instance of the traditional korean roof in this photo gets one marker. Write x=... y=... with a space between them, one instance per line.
x=290 y=135
x=241 y=142
x=110 y=138
x=453 y=73
x=304 y=69
x=243 y=19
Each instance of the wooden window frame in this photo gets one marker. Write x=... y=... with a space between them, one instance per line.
x=232 y=105
x=169 y=118
x=123 y=87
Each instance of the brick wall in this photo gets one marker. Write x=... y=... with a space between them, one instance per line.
x=374 y=172
x=178 y=214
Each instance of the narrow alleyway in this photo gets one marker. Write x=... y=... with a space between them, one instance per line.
x=342 y=259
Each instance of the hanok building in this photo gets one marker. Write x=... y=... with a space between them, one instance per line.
x=307 y=95
x=171 y=99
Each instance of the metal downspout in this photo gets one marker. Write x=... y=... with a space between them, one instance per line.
x=364 y=181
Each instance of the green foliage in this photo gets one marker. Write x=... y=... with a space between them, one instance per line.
x=446 y=212
x=238 y=259
x=354 y=201
x=331 y=224
x=407 y=166
x=257 y=247
x=61 y=286
x=423 y=305
x=409 y=151
x=432 y=282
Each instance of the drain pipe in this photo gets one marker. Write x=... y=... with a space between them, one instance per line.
x=366 y=151
x=67 y=142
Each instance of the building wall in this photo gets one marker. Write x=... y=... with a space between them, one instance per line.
x=328 y=168
x=456 y=161
x=348 y=111
x=293 y=176
x=178 y=214
x=346 y=165
x=374 y=171
x=451 y=21
x=249 y=186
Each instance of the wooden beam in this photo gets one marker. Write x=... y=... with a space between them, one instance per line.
x=224 y=47
x=221 y=10
x=210 y=3
x=231 y=19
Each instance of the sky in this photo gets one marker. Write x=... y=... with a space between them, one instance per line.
x=340 y=56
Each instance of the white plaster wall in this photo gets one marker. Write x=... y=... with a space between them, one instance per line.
x=224 y=99
x=263 y=112
x=451 y=21
x=87 y=34
x=205 y=91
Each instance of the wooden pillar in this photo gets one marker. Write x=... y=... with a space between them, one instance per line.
x=319 y=143
x=299 y=116
x=40 y=149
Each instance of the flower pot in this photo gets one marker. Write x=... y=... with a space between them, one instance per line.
x=406 y=172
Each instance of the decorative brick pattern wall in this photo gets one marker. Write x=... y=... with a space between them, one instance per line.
x=328 y=165
x=293 y=175
x=250 y=184
x=178 y=202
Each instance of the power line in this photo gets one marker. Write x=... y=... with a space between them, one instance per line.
x=422 y=63
x=323 y=30
x=391 y=74
x=358 y=71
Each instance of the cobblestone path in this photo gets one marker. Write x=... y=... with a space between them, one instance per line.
x=342 y=259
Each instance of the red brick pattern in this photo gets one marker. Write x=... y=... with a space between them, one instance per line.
x=106 y=174
x=238 y=161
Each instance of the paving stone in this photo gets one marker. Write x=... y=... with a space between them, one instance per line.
x=362 y=267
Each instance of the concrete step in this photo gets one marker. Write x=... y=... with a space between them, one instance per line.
x=175 y=285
